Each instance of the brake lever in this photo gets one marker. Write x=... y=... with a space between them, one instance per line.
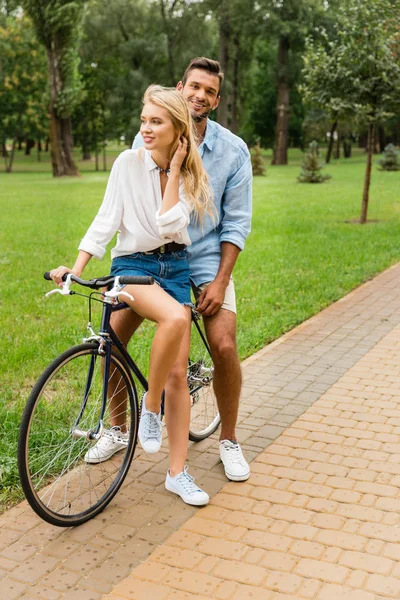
x=117 y=290
x=65 y=290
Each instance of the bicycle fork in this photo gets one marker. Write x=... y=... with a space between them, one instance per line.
x=95 y=433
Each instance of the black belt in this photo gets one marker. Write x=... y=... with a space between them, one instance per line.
x=165 y=248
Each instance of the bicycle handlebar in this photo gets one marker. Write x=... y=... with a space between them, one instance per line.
x=100 y=282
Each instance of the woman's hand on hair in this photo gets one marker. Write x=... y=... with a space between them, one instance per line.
x=179 y=155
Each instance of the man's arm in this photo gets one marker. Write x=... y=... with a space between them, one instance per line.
x=235 y=227
x=212 y=297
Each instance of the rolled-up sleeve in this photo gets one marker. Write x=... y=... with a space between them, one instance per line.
x=107 y=220
x=237 y=205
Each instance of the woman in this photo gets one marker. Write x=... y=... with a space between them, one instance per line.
x=149 y=197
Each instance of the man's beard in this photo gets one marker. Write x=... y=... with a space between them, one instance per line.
x=199 y=118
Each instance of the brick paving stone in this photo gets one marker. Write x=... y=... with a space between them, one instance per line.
x=8 y=537
x=34 y=568
x=87 y=557
x=238 y=571
x=80 y=594
x=11 y=589
x=60 y=579
x=383 y=585
x=336 y=592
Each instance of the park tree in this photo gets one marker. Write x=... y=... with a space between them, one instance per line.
x=238 y=23
x=311 y=167
x=89 y=116
x=23 y=84
x=289 y=22
x=390 y=160
x=128 y=41
x=58 y=28
x=357 y=70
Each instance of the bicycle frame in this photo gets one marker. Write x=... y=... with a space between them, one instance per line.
x=109 y=338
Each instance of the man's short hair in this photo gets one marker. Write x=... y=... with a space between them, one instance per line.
x=206 y=64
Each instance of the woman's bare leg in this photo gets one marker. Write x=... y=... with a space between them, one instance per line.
x=177 y=405
x=152 y=302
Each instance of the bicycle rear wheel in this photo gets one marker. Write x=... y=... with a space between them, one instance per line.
x=204 y=415
x=66 y=401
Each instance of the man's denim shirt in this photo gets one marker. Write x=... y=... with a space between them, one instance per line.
x=227 y=161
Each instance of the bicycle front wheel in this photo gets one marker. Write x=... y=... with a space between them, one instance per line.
x=204 y=415
x=64 y=408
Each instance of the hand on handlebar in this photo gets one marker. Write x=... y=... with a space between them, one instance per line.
x=58 y=273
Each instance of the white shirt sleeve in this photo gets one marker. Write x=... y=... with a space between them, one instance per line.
x=173 y=223
x=107 y=220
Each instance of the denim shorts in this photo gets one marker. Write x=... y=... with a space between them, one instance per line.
x=170 y=271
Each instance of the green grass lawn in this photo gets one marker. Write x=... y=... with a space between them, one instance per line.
x=304 y=253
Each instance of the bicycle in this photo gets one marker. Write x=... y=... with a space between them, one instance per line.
x=75 y=401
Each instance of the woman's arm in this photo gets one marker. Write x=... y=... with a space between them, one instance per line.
x=171 y=193
x=80 y=263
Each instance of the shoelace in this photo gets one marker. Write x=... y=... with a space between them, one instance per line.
x=234 y=449
x=113 y=435
x=187 y=482
x=151 y=425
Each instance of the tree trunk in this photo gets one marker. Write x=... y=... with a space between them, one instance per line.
x=61 y=142
x=363 y=140
x=282 y=106
x=4 y=150
x=382 y=140
x=224 y=38
x=86 y=155
x=60 y=128
x=39 y=150
x=367 y=180
x=29 y=144
x=347 y=147
x=11 y=158
x=331 y=140
x=104 y=158
x=337 y=146
x=235 y=84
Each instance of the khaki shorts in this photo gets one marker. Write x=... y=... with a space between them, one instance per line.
x=230 y=296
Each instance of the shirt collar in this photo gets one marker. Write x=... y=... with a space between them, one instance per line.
x=149 y=162
x=208 y=138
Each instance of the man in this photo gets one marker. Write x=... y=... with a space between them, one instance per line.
x=212 y=256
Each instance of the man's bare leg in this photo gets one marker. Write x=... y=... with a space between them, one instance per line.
x=221 y=335
x=125 y=323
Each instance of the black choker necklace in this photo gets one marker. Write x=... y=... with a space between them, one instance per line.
x=166 y=171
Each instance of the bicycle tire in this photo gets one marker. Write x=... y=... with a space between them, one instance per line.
x=204 y=415
x=59 y=485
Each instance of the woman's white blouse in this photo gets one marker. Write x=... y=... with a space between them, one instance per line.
x=131 y=205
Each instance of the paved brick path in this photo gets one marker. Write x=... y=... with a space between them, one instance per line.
x=319 y=517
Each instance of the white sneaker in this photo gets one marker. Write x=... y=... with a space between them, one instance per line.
x=150 y=433
x=112 y=441
x=184 y=486
x=235 y=465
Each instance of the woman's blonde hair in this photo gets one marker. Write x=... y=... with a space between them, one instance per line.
x=195 y=179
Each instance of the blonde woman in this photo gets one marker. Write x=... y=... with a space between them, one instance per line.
x=150 y=195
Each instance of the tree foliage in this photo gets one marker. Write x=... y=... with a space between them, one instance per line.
x=58 y=27
x=356 y=71
x=390 y=160
x=23 y=82
x=311 y=167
